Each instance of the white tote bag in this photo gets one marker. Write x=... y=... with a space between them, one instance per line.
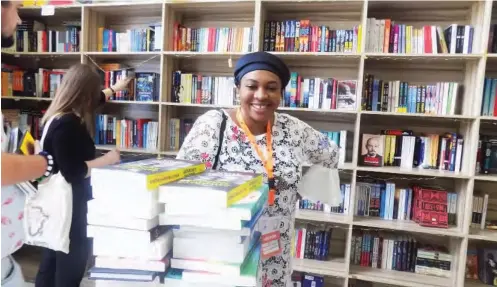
x=48 y=212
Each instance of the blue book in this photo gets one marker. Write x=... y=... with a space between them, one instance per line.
x=96 y=273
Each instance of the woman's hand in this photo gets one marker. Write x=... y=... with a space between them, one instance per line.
x=112 y=157
x=122 y=84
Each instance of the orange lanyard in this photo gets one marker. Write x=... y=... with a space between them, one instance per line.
x=267 y=160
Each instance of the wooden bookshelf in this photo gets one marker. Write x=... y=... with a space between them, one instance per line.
x=468 y=69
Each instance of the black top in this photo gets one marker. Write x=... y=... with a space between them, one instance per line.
x=71 y=145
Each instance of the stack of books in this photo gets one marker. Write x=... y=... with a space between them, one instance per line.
x=123 y=219
x=214 y=216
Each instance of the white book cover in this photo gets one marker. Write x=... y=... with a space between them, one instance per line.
x=186 y=248
x=140 y=198
x=133 y=209
x=243 y=209
x=132 y=263
x=110 y=220
x=156 y=250
x=229 y=269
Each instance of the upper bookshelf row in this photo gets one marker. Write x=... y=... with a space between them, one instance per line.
x=355 y=27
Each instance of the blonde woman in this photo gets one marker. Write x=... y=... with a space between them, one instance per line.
x=69 y=140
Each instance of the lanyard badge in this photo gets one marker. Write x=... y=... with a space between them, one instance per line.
x=266 y=161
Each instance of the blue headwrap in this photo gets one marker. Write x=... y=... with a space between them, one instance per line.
x=261 y=61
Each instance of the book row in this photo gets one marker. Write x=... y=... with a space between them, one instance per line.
x=426 y=206
x=482 y=208
x=312 y=243
x=342 y=208
x=43 y=83
x=302 y=36
x=489 y=105
x=480 y=265
x=386 y=36
x=133 y=40
x=400 y=253
x=486 y=160
x=403 y=149
x=313 y=93
x=33 y=36
x=203 y=89
x=404 y=97
x=125 y=133
x=213 y=39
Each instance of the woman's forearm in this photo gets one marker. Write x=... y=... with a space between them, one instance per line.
x=98 y=162
x=19 y=168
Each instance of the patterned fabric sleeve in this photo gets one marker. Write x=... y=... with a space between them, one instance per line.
x=202 y=142
x=318 y=148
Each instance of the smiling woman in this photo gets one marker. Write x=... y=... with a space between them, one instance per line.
x=255 y=138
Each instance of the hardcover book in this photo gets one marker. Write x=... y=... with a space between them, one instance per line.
x=243 y=209
x=149 y=173
x=372 y=149
x=487 y=266
x=218 y=189
x=430 y=207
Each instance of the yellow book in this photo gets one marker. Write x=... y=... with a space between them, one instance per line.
x=26 y=143
x=219 y=189
x=359 y=39
x=147 y=174
x=408 y=39
x=28 y=3
x=392 y=149
x=100 y=39
x=386 y=156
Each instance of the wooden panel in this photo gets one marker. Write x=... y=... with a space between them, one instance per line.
x=428 y=12
x=222 y=14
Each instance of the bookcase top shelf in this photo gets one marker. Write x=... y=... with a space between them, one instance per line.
x=469 y=70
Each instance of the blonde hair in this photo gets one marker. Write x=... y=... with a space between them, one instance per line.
x=79 y=93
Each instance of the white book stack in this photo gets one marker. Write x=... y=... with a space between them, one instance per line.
x=123 y=219
x=214 y=217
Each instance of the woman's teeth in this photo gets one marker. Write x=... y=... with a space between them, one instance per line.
x=259 y=106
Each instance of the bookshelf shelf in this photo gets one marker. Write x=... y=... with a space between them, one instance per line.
x=41 y=54
x=491 y=178
x=311 y=215
x=413 y=57
x=417 y=116
x=134 y=103
x=489 y=119
x=27 y=99
x=121 y=54
x=406 y=225
x=138 y=150
x=469 y=70
x=474 y=283
x=485 y=235
x=397 y=278
x=335 y=267
x=320 y=55
x=413 y=172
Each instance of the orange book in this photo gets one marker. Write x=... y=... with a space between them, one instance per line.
x=386 y=41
